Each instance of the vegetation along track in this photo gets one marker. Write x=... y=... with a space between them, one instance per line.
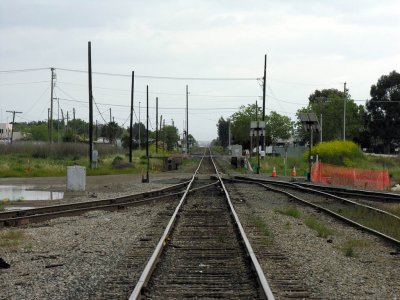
x=379 y=222
x=204 y=253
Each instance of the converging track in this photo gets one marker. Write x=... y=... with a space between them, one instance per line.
x=376 y=221
x=204 y=252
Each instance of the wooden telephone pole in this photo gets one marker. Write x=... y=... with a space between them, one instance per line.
x=13 y=122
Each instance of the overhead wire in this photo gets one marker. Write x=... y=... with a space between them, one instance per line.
x=23 y=70
x=162 y=77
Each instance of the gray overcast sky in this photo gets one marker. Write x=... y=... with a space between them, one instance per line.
x=310 y=45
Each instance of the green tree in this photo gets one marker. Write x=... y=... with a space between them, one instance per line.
x=278 y=127
x=383 y=111
x=329 y=103
x=240 y=124
x=223 y=131
x=111 y=131
x=39 y=131
x=169 y=133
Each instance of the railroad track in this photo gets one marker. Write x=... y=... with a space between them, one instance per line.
x=204 y=252
x=346 y=192
x=365 y=217
x=24 y=217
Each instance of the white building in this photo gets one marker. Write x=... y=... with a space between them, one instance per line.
x=5 y=131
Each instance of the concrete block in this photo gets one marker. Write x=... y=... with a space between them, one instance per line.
x=76 y=178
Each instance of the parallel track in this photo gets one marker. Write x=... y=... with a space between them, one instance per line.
x=17 y=218
x=332 y=205
x=203 y=252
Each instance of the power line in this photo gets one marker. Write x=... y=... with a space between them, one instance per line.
x=163 y=77
x=95 y=103
x=20 y=83
x=23 y=70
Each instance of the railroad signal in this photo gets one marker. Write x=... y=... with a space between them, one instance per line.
x=310 y=124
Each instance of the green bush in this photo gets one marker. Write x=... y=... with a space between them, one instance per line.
x=342 y=153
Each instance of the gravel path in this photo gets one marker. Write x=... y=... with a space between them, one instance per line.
x=371 y=272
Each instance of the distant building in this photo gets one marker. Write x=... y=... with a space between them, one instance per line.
x=5 y=131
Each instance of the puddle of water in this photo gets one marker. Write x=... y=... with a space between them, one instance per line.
x=22 y=192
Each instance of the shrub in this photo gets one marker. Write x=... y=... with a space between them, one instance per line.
x=342 y=153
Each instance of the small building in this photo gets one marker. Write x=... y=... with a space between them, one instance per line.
x=5 y=131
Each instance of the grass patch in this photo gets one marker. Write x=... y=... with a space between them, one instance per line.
x=289 y=211
x=322 y=230
x=10 y=239
x=393 y=208
x=262 y=227
x=372 y=219
x=350 y=246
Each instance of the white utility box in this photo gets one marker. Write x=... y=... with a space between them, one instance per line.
x=76 y=178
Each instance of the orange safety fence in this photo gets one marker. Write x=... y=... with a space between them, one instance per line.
x=362 y=178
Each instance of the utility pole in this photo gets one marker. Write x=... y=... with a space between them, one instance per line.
x=130 y=124
x=156 y=124
x=187 y=119
x=13 y=122
x=90 y=104
x=164 y=133
x=58 y=120
x=258 y=142
x=48 y=124
x=264 y=84
x=53 y=76
x=74 y=129
x=160 y=130
x=96 y=132
x=229 y=134
x=147 y=133
x=344 y=112
x=110 y=115
x=139 y=125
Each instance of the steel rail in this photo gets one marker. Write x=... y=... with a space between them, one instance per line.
x=262 y=280
x=373 y=195
x=85 y=204
x=320 y=208
x=151 y=264
x=294 y=185
x=24 y=220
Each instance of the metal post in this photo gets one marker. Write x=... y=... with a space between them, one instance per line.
x=264 y=84
x=156 y=124
x=309 y=156
x=90 y=104
x=51 y=106
x=321 y=128
x=258 y=141
x=131 y=121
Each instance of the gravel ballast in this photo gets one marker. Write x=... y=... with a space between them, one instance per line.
x=76 y=257
x=370 y=272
